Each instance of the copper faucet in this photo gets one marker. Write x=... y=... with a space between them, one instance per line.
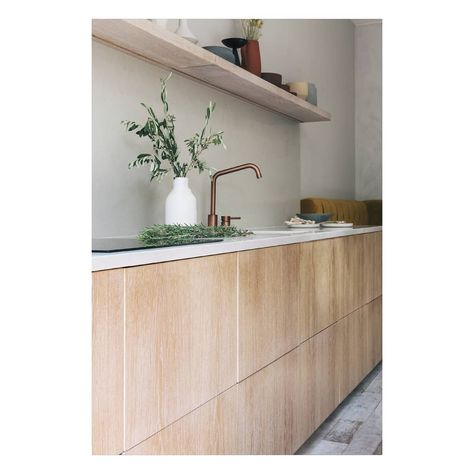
x=212 y=217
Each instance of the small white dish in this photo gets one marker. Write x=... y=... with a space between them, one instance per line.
x=337 y=224
x=304 y=226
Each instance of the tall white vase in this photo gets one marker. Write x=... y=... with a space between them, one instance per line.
x=184 y=31
x=160 y=22
x=181 y=205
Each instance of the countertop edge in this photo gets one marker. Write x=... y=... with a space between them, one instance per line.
x=110 y=261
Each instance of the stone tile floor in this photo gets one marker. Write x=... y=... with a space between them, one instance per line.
x=355 y=427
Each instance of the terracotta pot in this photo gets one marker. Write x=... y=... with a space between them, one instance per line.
x=251 y=57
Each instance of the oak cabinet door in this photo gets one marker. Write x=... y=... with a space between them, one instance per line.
x=318 y=383
x=347 y=334
x=343 y=330
x=180 y=339
x=269 y=305
x=377 y=264
x=267 y=408
x=307 y=415
x=107 y=362
x=357 y=347
x=374 y=332
x=327 y=344
x=371 y=274
x=347 y=269
x=210 y=429
x=368 y=268
x=360 y=347
x=316 y=287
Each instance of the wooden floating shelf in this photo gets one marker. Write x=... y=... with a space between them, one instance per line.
x=144 y=39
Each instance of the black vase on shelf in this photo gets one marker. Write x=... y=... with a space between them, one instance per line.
x=235 y=44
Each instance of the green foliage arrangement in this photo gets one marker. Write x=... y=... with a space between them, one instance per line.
x=252 y=29
x=165 y=234
x=161 y=132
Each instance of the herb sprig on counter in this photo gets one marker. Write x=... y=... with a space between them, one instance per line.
x=165 y=234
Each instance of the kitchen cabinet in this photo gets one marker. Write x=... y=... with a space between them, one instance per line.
x=276 y=409
x=347 y=269
x=317 y=287
x=372 y=266
x=268 y=305
x=256 y=416
x=377 y=263
x=267 y=408
x=316 y=390
x=361 y=345
x=180 y=344
x=358 y=271
x=289 y=293
x=373 y=319
x=351 y=348
x=239 y=353
x=209 y=429
x=107 y=362
x=337 y=276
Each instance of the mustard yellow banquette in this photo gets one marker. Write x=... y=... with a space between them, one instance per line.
x=358 y=212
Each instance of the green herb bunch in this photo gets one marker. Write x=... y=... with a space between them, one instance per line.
x=165 y=234
x=252 y=29
x=161 y=132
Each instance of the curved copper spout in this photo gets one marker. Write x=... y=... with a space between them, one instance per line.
x=212 y=217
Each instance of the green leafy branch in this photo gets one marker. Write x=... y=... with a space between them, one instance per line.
x=165 y=149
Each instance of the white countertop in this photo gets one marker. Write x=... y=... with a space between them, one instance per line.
x=131 y=258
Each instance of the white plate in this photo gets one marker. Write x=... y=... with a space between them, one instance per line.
x=304 y=226
x=337 y=224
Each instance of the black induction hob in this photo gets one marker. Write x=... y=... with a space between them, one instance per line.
x=117 y=244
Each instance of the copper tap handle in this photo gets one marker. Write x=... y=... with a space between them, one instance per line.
x=225 y=220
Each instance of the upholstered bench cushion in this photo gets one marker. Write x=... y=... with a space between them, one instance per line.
x=346 y=210
x=374 y=210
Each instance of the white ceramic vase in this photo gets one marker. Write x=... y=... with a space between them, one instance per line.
x=160 y=22
x=181 y=205
x=184 y=31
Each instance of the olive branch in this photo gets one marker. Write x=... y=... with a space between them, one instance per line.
x=165 y=156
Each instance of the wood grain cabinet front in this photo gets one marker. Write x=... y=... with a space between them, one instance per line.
x=269 y=305
x=373 y=319
x=239 y=353
x=316 y=391
x=180 y=339
x=107 y=362
x=348 y=270
x=289 y=293
x=317 y=287
x=371 y=267
x=377 y=265
x=268 y=408
x=209 y=429
x=276 y=409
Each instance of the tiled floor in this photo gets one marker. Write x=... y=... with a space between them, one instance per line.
x=355 y=427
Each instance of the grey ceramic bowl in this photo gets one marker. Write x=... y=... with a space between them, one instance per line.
x=316 y=217
x=312 y=94
x=222 y=52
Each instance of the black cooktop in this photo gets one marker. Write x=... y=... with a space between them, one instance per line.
x=117 y=244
